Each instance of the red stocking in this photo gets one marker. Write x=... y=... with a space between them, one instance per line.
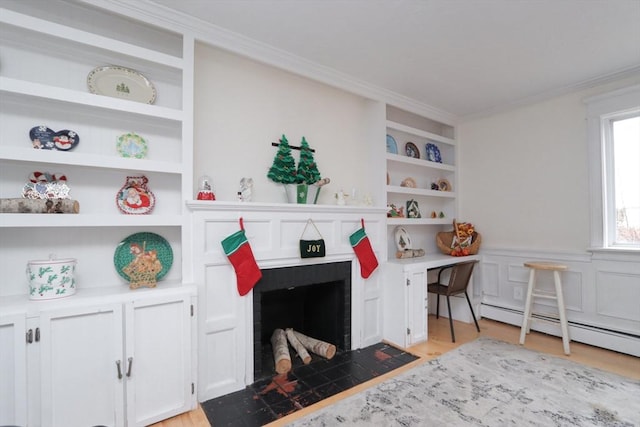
x=238 y=250
x=364 y=252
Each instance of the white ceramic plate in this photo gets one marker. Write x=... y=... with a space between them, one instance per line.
x=403 y=240
x=123 y=83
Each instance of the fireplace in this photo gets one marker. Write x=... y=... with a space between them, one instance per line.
x=312 y=299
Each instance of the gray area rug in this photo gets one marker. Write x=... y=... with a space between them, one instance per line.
x=490 y=383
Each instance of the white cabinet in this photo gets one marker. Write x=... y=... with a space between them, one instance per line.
x=405 y=302
x=100 y=360
x=158 y=374
x=78 y=352
x=13 y=370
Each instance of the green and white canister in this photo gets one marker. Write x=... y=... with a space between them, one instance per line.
x=52 y=278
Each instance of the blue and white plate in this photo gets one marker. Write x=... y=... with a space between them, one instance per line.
x=433 y=153
x=392 y=147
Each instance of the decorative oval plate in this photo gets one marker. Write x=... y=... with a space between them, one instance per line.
x=139 y=250
x=123 y=83
x=411 y=150
x=392 y=147
x=403 y=240
x=433 y=153
x=132 y=145
x=47 y=139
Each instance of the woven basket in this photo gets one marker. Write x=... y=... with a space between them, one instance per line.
x=444 y=239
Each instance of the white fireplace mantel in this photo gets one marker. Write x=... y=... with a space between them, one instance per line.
x=225 y=319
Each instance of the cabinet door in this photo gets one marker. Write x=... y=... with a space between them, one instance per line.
x=79 y=352
x=416 y=307
x=158 y=359
x=13 y=370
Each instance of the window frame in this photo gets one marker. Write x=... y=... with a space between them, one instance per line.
x=602 y=110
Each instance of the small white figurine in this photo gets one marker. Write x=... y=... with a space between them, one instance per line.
x=341 y=198
x=246 y=190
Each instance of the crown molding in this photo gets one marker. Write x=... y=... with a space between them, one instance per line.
x=625 y=73
x=159 y=15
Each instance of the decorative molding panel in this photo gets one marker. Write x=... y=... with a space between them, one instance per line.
x=489 y=278
x=618 y=295
x=601 y=297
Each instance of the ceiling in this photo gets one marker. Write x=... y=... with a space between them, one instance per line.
x=465 y=57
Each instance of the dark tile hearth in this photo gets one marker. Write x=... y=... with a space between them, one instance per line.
x=274 y=397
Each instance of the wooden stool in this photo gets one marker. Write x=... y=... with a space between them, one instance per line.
x=533 y=293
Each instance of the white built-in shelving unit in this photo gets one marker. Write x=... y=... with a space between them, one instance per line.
x=47 y=53
x=406 y=127
x=47 y=50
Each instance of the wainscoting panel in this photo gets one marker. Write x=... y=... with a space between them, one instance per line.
x=487 y=278
x=602 y=296
x=618 y=295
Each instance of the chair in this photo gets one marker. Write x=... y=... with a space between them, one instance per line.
x=458 y=282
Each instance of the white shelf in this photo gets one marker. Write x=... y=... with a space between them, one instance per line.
x=90 y=40
x=27 y=88
x=418 y=221
x=93 y=296
x=87 y=160
x=420 y=192
x=420 y=133
x=12 y=220
x=419 y=162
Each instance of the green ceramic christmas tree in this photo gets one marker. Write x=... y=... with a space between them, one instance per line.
x=283 y=169
x=308 y=172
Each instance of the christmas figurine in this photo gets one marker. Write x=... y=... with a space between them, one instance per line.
x=246 y=190
x=205 y=190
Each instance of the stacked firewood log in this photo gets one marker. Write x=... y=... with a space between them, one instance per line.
x=301 y=343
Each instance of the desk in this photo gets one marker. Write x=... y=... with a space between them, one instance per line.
x=405 y=300
x=433 y=261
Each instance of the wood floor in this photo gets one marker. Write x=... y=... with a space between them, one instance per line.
x=440 y=342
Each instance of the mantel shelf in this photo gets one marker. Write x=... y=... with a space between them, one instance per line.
x=201 y=205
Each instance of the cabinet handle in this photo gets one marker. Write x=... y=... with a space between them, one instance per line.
x=29 y=336
x=119 y=369
x=37 y=334
x=129 y=367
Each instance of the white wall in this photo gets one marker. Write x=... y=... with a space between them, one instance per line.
x=241 y=106
x=524 y=184
x=523 y=175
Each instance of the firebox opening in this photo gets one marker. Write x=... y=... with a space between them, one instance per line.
x=312 y=299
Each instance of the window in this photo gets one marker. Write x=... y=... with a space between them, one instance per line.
x=614 y=166
x=623 y=192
